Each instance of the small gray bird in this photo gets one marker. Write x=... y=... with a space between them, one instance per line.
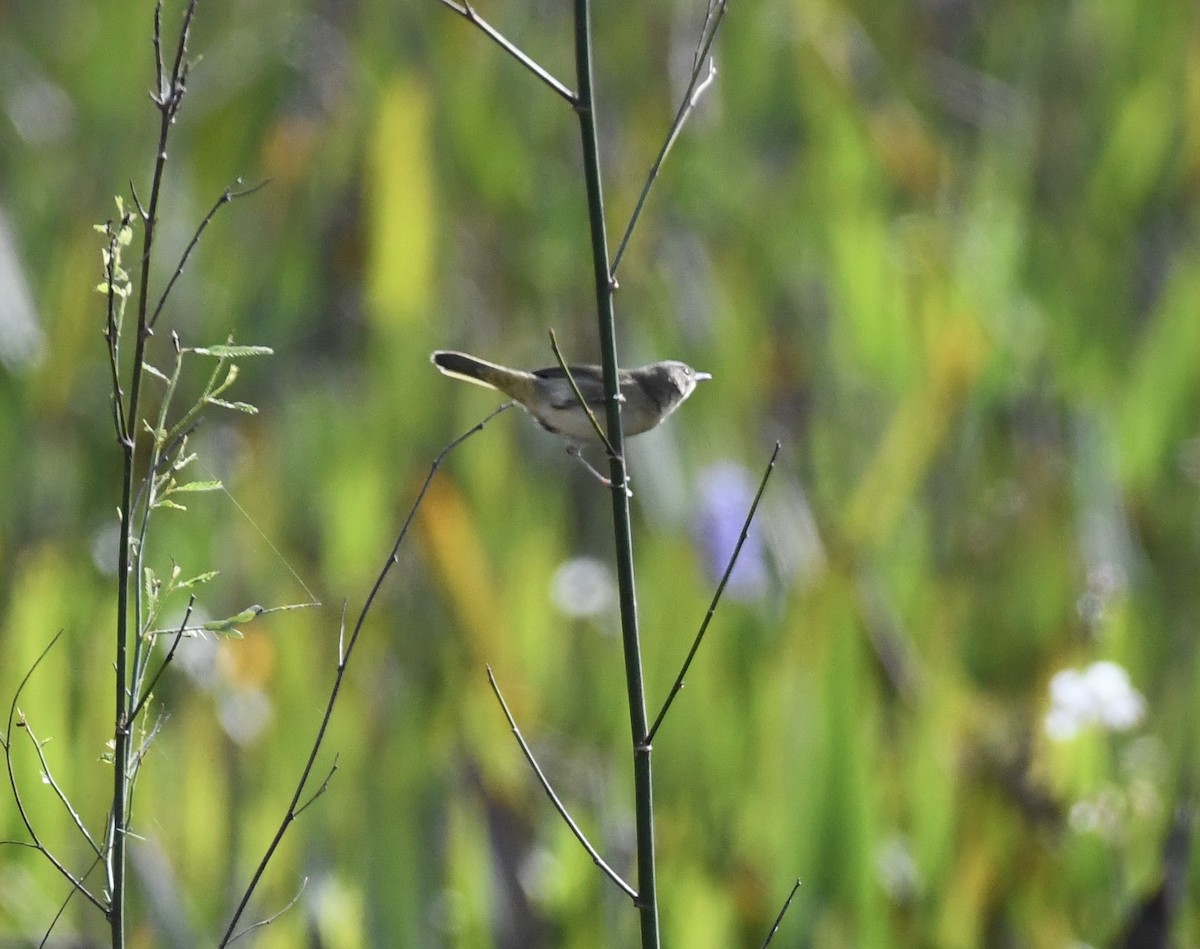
x=650 y=393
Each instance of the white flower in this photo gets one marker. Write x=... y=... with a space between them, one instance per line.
x=1099 y=695
x=583 y=587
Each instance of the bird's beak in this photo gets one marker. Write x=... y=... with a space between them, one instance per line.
x=701 y=376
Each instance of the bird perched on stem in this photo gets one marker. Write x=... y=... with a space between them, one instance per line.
x=648 y=394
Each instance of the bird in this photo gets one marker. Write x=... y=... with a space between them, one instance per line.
x=648 y=395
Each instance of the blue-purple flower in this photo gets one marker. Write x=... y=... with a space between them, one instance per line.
x=726 y=492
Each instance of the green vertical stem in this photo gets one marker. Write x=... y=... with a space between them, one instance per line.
x=122 y=727
x=118 y=819
x=647 y=901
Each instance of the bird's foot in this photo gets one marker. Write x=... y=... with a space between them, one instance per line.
x=575 y=452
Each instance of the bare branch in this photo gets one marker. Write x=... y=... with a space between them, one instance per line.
x=170 y=93
x=158 y=60
x=14 y=714
x=554 y=799
x=579 y=395
x=712 y=608
x=468 y=12
x=49 y=779
x=782 y=912
x=294 y=807
x=575 y=451
x=227 y=196
x=65 y=903
x=270 y=919
x=700 y=80
x=321 y=790
x=139 y=753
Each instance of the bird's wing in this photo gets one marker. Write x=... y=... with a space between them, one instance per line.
x=562 y=396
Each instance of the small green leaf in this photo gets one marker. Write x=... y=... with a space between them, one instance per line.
x=238 y=619
x=229 y=351
x=157 y=373
x=198 y=486
x=230 y=378
x=197 y=580
x=151 y=587
x=238 y=406
x=167 y=502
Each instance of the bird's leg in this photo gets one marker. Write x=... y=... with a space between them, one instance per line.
x=575 y=452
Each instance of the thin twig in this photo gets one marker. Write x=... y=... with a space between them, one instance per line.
x=135 y=758
x=158 y=60
x=227 y=196
x=170 y=98
x=149 y=689
x=554 y=798
x=294 y=807
x=779 y=918
x=695 y=88
x=712 y=607
x=233 y=623
x=700 y=89
x=274 y=916
x=48 y=777
x=579 y=395
x=137 y=199
x=65 y=903
x=75 y=882
x=468 y=12
x=321 y=790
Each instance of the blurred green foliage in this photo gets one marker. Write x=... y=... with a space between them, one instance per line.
x=946 y=252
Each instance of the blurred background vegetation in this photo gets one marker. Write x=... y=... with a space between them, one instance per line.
x=945 y=251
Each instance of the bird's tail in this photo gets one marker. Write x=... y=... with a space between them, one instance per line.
x=512 y=382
